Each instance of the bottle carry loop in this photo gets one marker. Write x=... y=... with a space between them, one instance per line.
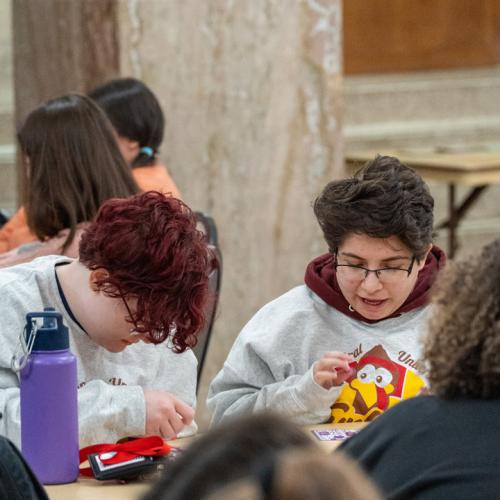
x=23 y=350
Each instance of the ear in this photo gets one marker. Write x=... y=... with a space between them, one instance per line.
x=132 y=146
x=128 y=148
x=421 y=263
x=129 y=145
x=96 y=277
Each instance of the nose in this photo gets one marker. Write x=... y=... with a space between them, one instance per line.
x=371 y=283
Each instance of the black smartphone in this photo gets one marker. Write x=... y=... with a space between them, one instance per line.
x=137 y=468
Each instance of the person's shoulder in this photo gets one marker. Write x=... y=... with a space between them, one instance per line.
x=278 y=310
x=418 y=405
x=288 y=315
x=143 y=351
x=397 y=418
x=155 y=178
x=293 y=301
x=391 y=426
x=411 y=320
x=22 y=273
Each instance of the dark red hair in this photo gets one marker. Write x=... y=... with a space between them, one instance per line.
x=153 y=253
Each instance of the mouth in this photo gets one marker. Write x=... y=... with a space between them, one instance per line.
x=373 y=303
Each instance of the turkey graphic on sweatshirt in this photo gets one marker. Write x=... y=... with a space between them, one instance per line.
x=376 y=384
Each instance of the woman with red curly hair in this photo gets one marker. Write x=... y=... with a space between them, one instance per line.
x=142 y=275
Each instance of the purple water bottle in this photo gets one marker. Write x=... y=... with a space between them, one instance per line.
x=49 y=406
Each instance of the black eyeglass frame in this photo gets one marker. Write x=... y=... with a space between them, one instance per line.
x=376 y=271
x=137 y=329
x=131 y=320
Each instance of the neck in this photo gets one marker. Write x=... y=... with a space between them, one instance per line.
x=74 y=279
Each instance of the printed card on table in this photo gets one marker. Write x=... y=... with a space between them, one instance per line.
x=334 y=434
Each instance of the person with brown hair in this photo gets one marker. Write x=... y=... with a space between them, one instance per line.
x=265 y=456
x=447 y=445
x=138 y=122
x=72 y=165
x=302 y=475
x=345 y=346
x=226 y=453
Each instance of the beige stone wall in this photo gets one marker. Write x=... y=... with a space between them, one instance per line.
x=8 y=193
x=252 y=94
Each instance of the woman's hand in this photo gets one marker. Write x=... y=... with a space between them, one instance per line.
x=332 y=369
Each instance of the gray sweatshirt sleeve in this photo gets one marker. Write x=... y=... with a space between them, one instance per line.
x=10 y=414
x=105 y=413
x=177 y=374
x=109 y=412
x=297 y=396
x=270 y=367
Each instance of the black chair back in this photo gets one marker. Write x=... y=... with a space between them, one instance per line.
x=207 y=226
x=4 y=217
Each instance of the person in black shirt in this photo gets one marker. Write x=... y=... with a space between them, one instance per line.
x=17 y=481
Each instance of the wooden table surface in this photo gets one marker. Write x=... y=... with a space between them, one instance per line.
x=91 y=489
x=466 y=168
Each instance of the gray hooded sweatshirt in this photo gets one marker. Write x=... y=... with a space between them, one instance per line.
x=110 y=395
x=270 y=366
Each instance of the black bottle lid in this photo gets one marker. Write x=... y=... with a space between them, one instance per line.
x=52 y=335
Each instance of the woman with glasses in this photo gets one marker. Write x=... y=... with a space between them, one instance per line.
x=344 y=346
x=452 y=437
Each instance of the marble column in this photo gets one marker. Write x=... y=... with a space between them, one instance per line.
x=251 y=90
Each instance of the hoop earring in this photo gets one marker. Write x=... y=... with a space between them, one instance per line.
x=351 y=308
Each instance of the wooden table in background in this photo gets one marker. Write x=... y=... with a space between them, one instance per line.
x=475 y=169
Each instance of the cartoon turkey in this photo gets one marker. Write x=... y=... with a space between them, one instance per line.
x=376 y=384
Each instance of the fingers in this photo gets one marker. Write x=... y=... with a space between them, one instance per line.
x=335 y=361
x=166 y=431
x=332 y=369
x=185 y=411
x=171 y=427
x=166 y=415
x=337 y=355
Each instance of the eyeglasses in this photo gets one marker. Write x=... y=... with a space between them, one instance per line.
x=138 y=327
x=387 y=275
x=131 y=319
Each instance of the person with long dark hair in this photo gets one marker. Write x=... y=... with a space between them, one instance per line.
x=138 y=122
x=72 y=164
